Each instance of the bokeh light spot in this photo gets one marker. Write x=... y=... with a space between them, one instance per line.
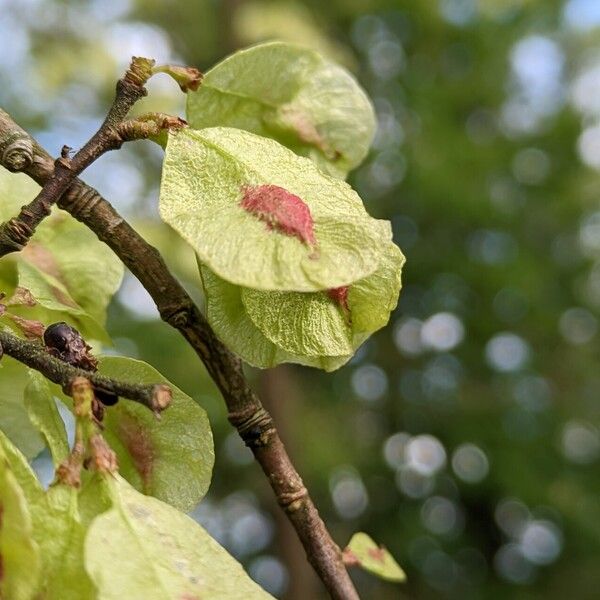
x=470 y=463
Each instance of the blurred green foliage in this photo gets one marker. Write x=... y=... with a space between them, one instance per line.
x=464 y=437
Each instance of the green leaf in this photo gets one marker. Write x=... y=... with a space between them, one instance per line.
x=293 y=95
x=227 y=315
x=43 y=413
x=21 y=470
x=70 y=273
x=170 y=458
x=45 y=288
x=53 y=300
x=15 y=190
x=8 y=278
x=208 y=174
x=88 y=268
x=60 y=533
x=94 y=497
x=364 y=552
x=19 y=554
x=143 y=548
x=14 y=420
x=57 y=530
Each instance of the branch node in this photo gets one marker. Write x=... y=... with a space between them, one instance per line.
x=14 y=235
x=255 y=426
x=63 y=162
x=75 y=380
x=175 y=315
x=292 y=501
x=140 y=70
x=17 y=152
x=80 y=201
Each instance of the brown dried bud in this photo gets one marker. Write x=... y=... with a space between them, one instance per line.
x=188 y=78
x=103 y=457
x=22 y=297
x=162 y=396
x=33 y=330
x=69 y=471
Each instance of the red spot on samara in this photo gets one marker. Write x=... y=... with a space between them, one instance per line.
x=281 y=210
x=377 y=554
x=340 y=295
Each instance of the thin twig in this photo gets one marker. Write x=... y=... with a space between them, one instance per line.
x=155 y=397
x=245 y=411
x=15 y=233
x=148 y=125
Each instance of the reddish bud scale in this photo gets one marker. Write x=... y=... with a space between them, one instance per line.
x=281 y=210
x=340 y=295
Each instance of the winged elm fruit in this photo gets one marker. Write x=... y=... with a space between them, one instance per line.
x=311 y=105
x=223 y=189
x=269 y=296
x=319 y=329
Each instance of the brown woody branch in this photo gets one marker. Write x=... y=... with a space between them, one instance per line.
x=155 y=397
x=245 y=411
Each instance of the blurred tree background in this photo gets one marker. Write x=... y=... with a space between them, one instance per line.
x=464 y=436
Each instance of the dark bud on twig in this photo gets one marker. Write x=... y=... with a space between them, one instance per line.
x=106 y=398
x=66 y=343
